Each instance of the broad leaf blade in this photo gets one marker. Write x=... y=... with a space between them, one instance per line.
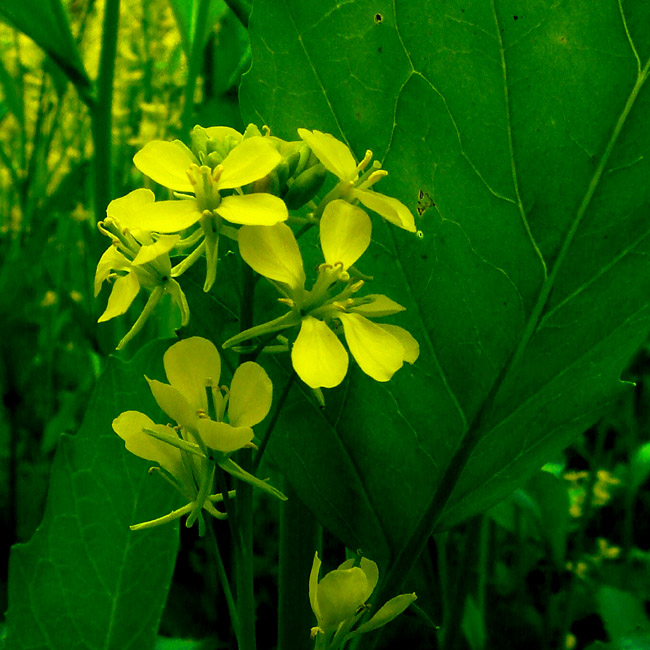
x=85 y=580
x=521 y=140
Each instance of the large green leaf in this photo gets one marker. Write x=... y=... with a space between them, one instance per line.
x=85 y=581
x=520 y=131
x=47 y=24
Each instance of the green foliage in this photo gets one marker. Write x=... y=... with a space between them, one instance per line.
x=85 y=580
x=51 y=31
x=520 y=138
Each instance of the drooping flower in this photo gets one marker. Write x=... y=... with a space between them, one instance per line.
x=338 y=159
x=318 y=356
x=200 y=407
x=173 y=165
x=136 y=260
x=339 y=601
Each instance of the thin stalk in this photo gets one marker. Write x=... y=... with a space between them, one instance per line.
x=101 y=114
x=223 y=578
x=272 y=423
x=193 y=66
x=244 y=522
x=300 y=538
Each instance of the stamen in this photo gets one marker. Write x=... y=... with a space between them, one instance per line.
x=364 y=163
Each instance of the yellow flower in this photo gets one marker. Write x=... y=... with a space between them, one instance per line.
x=193 y=368
x=173 y=165
x=318 y=356
x=194 y=399
x=136 y=260
x=339 y=600
x=235 y=162
x=338 y=159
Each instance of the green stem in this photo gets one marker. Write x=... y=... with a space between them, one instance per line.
x=193 y=66
x=244 y=523
x=244 y=559
x=223 y=578
x=101 y=114
x=300 y=538
x=272 y=423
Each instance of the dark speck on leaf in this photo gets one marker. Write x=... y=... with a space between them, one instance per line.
x=380 y=49
x=379 y=18
x=424 y=257
x=515 y=17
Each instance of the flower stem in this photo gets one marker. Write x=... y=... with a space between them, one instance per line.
x=244 y=523
x=300 y=538
x=223 y=578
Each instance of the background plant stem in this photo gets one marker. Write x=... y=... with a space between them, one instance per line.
x=101 y=113
x=193 y=67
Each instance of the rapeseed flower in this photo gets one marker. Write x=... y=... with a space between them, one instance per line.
x=339 y=601
x=202 y=437
x=338 y=159
x=136 y=260
x=318 y=356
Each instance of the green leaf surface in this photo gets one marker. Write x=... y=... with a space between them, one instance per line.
x=47 y=24
x=623 y=614
x=519 y=135
x=85 y=581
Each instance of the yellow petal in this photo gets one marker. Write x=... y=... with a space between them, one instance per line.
x=340 y=593
x=391 y=209
x=332 y=153
x=125 y=289
x=222 y=436
x=378 y=353
x=410 y=345
x=153 y=251
x=167 y=164
x=111 y=260
x=169 y=216
x=251 y=392
x=253 y=209
x=250 y=160
x=273 y=252
x=344 y=233
x=127 y=209
x=371 y=570
x=377 y=305
x=190 y=364
x=173 y=402
x=130 y=427
x=318 y=356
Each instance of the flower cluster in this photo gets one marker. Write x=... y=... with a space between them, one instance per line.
x=339 y=601
x=242 y=186
x=202 y=439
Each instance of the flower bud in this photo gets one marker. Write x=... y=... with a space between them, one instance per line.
x=305 y=187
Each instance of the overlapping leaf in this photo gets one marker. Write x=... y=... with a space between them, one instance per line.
x=85 y=581
x=519 y=134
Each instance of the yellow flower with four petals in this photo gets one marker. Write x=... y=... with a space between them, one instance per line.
x=318 y=356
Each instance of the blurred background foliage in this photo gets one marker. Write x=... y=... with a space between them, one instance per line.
x=564 y=562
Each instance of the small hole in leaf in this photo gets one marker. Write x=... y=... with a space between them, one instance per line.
x=379 y=18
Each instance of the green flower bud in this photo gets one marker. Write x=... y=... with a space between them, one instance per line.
x=251 y=131
x=213 y=159
x=198 y=140
x=305 y=187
